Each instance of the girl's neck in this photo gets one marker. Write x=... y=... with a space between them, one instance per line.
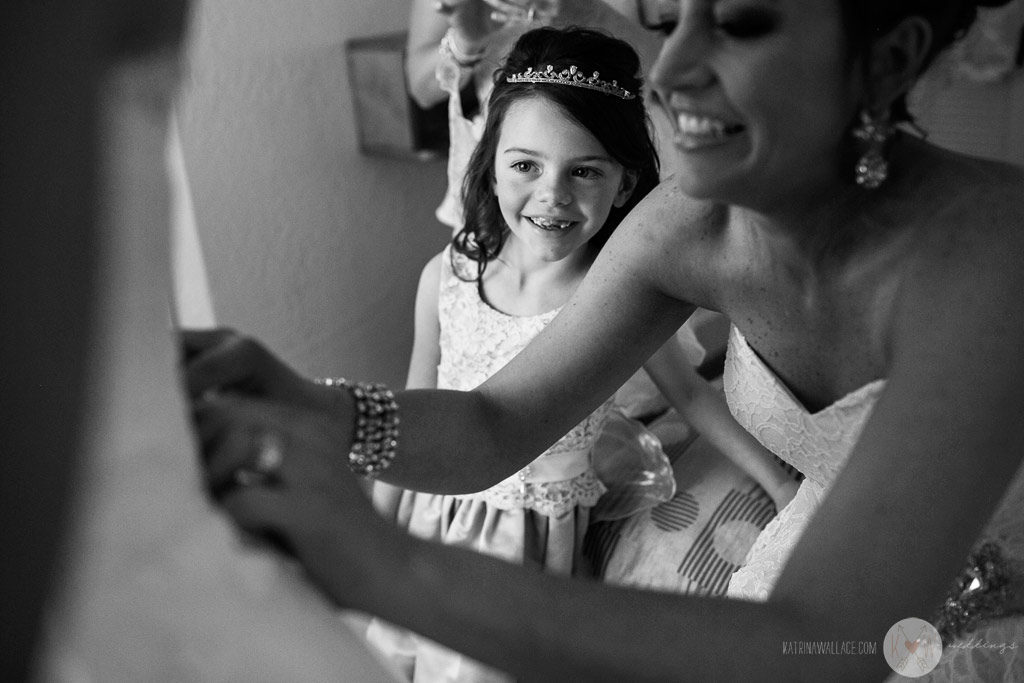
x=518 y=257
x=519 y=283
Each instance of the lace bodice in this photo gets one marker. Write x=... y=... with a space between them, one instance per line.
x=818 y=444
x=476 y=341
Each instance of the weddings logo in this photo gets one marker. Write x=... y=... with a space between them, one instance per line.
x=912 y=647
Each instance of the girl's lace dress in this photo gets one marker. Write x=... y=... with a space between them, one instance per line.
x=537 y=516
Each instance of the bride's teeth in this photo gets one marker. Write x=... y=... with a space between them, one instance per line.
x=699 y=125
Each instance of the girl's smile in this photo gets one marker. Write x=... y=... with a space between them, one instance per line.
x=551 y=224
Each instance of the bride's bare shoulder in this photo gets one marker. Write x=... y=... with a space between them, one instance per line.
x=672 y=241
x=970 y=226
x=975 y=201
x=958 y=181
x=667 y=217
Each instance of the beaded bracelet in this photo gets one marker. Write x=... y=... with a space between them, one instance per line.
x=375 y=435
x=448 y=48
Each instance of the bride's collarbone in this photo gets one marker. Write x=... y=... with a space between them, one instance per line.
x=822 y=346
x=818 y=369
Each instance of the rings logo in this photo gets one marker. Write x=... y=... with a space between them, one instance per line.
x=912 y=647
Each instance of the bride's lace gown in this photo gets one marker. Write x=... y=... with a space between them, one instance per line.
x=818 y=444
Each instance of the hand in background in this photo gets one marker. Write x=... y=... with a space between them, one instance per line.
x=543 y=11
x=472 y=20
x=611 y=16
x=782 y=493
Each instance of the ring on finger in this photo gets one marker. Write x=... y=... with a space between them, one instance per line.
x=267 y=464
x=270 y=455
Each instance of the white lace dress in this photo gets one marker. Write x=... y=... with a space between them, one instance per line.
x=537 y=516
x=818 y=444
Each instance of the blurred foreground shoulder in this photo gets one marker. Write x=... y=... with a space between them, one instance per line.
x=971 y=207
x=970 y=238
x=978 y=184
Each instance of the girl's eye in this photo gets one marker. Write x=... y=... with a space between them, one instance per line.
x=523 y=166
x=586 y=172
x=747 y=24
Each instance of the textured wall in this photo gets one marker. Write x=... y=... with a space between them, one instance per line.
x=310 y=246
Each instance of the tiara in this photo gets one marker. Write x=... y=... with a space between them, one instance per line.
x=573 y=77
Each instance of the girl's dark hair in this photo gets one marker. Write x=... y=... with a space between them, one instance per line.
x=867 y=20
x=621 y=126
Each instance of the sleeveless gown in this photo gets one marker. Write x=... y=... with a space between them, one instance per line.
x=476 y=341
x=818 y=444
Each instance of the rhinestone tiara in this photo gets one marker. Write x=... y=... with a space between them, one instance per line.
x=573 y=77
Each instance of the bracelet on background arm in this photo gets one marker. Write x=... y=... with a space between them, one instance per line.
x=449 y=48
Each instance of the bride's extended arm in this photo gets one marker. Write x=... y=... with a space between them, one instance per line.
x=561 y=377
x=488 y=434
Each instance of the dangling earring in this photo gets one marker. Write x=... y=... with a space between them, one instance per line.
x=875 y=131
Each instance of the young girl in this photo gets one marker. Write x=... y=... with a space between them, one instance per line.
x=565 y=154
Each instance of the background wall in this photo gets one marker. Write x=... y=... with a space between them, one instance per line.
x=309 y=245
x=972 y=99
x=985 y=119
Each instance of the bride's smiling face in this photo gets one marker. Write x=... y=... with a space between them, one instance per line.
x=760 y=94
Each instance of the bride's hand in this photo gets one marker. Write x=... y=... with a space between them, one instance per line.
x=281 y=473
x=222 y=360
